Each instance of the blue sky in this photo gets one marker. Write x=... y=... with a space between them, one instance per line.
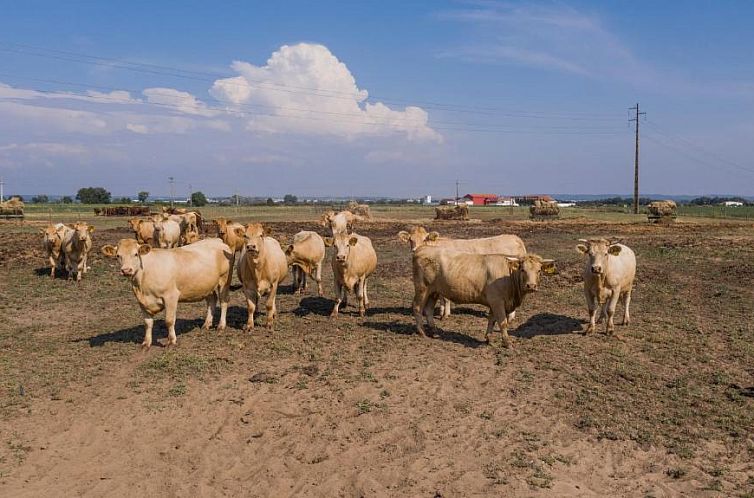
x=376 y=98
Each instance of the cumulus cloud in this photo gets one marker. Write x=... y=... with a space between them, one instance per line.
x=305 y=89
x=178 y=100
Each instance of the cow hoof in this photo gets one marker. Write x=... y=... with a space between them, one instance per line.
x=248 y=328
x=589 y=330
x=146 y=345
x=221 y=328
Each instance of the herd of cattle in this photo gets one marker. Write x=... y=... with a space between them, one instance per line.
x=167 y=262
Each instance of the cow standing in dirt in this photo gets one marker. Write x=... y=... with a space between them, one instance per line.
x=53 y=244
x=77 y=242
x=493 y=280
x=143 y=230
x=339 y=223
x=167 y=232
x=263 y=266
x=305 y=256
x=162 y=278
x=609 y=273
x=507 y=244
x=353 y=261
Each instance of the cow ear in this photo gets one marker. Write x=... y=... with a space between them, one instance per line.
x=513 y=263
x=42 y=230
x=614 y=250
x=144 y=249
x=432 y=236
x=239 y=232
x=582 y=248
x=91 y=228
x=403 y=236
x=267 y=231
x=329 y=241
x=108 y=251
x=353 y=241
x=548 y=266
x=289 y=249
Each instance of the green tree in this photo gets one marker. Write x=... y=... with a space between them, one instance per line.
x=270 y=202
x=290 y=199
x=198 y=199
x=123 y=200
x=93 y=195
x=40 y=199
x=66 y=199
x=143 y=196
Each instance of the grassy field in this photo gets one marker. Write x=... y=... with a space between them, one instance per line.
x=347 y=407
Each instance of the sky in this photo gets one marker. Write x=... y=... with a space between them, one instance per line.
x=376 y=98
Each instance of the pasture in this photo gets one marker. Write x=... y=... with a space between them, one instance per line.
x=365 y=407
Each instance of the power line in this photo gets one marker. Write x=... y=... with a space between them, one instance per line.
x=325 y=93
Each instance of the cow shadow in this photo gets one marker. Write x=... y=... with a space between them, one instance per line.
x=468 y=311
x=60 y=274
x=547 y=324
x=135 y=334
x=410 y=329
x=314 y=305
x=393 y=310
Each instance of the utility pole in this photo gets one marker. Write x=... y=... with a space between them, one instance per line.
x=457 y=184
x=189 y=197
x=636 y=157
x=171 y=181
x=2 y=188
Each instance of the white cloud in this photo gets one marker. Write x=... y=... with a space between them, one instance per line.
x=41 y=153
x=177 y=100
x=137 y=128
x=305 y=89
x=43 y=119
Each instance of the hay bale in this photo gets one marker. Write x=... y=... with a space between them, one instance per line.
x=13 y=203
x=662 y=208
x=359 y=210
x=452 y=213
x=544 y=209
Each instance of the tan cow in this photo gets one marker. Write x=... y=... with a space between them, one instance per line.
x=338 y=223
x=190 y=236
x=77 y=242
x=167 y=232
x=52 y=244
x=162 y=278
x=262 y=267
x=494 y=280
x=305 y=256
x=143 y=230
x=353 y=261
x=508 y=244
x=609 y=272
x=226 y=230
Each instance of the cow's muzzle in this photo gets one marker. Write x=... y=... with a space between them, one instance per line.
x=596 y=270
x=127 y=272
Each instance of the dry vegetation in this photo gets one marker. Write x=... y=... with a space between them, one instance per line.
x=364 y=407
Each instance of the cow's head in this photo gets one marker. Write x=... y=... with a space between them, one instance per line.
x=326 y=218
x=129 y=253
x=52 y=235
x=343 y=244
x=82 y=230
x=528 y=270
x=597 y=251
x=253 y=235
x=222 y=227
x=134 y=224
x=417 y=237
x=191 y=236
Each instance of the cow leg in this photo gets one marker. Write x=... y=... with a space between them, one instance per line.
x=592 y=305
x=338 y=298
x=79 y=271
x=211 y=303
x=171 y=308
x=626 y=304
x=610 y=307
x=270 y=306
x=224 y=295
x=361 y=293
x=497 y=314
x=53 y=264
x=318 y=278
x=419 y=305
x=149 y=325
x=303 y=281
x=444 y=308
x=251 y=304
x=429 y=311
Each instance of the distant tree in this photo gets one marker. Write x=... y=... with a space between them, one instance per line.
x=123 y=200
x=40 y=199
x=93 y=195
x=290 y=199
x=143 y=196
x=198 y=199
x=66 y=199
x=270 y=202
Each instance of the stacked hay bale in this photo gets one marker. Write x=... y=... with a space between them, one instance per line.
x=12 y=208
x=662 y=211
x=359 y=210
x=452 y=212
x=542 y=210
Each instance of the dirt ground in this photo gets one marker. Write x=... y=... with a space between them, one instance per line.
x=365 y=407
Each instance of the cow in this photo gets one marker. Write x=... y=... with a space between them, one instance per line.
x=494 y=280
x=338 y=223
x=52 y=244
x=226 y=230
x=162 y=278
x=353 y=261
x=508 y=244
x=305 y=256
x=261 y=269
x=167 y=232
x=76 y=244
x=143 y=230
x=190 y=236
x=609 y=272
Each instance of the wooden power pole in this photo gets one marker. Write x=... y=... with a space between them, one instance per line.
x=636 y=157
